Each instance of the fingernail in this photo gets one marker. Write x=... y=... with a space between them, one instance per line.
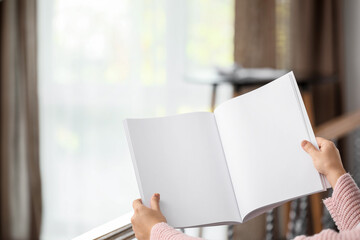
x=303 y=143
x=157 y=195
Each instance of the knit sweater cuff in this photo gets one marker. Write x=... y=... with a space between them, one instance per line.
x=159 y=230
x=344 y=205
x=164 y=232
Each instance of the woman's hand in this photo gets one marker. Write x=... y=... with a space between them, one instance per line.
x=326 y=160
x=145 y=218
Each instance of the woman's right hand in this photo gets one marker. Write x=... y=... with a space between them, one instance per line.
x=326 y=160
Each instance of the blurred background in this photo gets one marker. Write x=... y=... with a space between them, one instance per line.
x=72 y=70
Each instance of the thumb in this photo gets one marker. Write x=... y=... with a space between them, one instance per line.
x=154 y=203
x=309 y=148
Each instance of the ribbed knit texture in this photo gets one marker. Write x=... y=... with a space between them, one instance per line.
x=344 y=207
x=165 y=232
x=332 y=235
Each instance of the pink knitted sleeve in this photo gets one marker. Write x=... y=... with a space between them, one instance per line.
x=164 y=232
x=332 y=235
x=344 y=207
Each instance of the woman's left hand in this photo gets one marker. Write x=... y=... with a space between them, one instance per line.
x=145 y=218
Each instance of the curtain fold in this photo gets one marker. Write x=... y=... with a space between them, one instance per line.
x=20 y=184
x=254 y=35
x=316 y=50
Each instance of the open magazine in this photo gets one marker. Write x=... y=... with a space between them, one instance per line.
x=228 y=166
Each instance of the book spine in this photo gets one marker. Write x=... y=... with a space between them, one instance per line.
x=227 y=167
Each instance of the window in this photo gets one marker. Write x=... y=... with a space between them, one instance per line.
x=101 y=62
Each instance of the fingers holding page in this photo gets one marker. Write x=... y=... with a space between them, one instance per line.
x=326 y=160
x=309 y=148
x=137 y=203
x=145 y=218
x=155 y=202
x=321 y=141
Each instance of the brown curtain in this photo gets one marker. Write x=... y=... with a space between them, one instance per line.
x=20 y=199
x=300 y=35
x=316 y=51
x=254 y=36
x=305 y=36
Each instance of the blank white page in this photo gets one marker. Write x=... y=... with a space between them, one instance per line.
x=181 y=158
x=261 y=132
